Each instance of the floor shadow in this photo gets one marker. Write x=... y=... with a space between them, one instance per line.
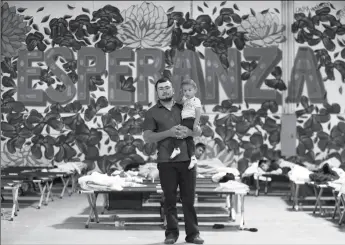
x=308 y=206
x=29 y=198
x=107 y=222
x=159 y=243
x=307 y=203
x=147 y=219
x=155 y=210
x=335 y=222
x=23 y=203
x=273 y=194
x=77 y=224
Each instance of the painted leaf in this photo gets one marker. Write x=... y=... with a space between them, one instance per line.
x=85 y=10
x=45 y=19
x=40 y=9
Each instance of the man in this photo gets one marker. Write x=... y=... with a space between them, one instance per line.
x=161 y=125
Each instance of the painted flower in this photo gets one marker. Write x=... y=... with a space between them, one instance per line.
x=129 y=145
x=22 y=157
x=17 y=136
x=144 y=26
x=13 y=32
x=255 y=148
x=263 y=30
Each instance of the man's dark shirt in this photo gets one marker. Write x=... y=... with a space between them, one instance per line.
x=158 y=119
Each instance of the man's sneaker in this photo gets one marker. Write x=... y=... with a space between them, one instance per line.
x=169 y=240
x=195 y=240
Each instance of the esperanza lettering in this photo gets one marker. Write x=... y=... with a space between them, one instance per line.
x=186 y=64
x=315 y=8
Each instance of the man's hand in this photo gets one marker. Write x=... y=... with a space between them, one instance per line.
x=185 y=132
x=153 y=137
x=182 y=132
x=175 y=131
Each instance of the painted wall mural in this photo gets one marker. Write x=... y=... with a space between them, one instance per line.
x=321 y=126
x=97 y=111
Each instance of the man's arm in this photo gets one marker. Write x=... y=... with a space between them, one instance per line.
x=152 y=137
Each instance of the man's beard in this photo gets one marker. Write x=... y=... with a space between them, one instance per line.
x=167 y=99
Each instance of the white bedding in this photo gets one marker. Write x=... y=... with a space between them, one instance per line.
x=233 y=186
x=98 y=181
x=69 y=167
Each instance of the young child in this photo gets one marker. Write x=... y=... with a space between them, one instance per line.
x=191 y=113
x=270 y=166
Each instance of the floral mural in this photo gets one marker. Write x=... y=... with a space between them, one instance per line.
x=13 y=32
x=108 y=137
x=264 y=29
x=145 y=26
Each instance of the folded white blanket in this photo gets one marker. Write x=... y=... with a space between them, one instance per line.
x=299 y=174
x=233 y=186
x=149 y=171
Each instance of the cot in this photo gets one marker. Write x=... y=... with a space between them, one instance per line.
x=13 y=186
x=339 y=197
x=267 y=178
x=295 y=190
x=152 y=188
x=319 y=189
x=44 y=180
x=37 y=172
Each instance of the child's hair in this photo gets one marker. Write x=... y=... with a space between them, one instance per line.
x=188 y=81
x=262 y=161
x=202 y=145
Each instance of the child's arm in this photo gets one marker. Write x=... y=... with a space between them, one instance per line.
x=181 y=98
x=197 y=113
x=197 y=116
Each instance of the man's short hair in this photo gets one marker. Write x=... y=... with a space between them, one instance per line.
x=188 y=81
x=162 y=80
x=202 y=145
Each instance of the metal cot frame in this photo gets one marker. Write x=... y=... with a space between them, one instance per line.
x=14 y=187
x=44 y=180
x=318 y=191
x=152 y=188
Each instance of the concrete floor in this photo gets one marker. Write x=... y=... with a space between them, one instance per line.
x=62 y=222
